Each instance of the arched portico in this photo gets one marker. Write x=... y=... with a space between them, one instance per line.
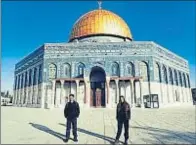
x=97 y=80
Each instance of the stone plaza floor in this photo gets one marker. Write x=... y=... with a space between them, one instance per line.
x=172 y=125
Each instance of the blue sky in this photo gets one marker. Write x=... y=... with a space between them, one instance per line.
x=27 y=25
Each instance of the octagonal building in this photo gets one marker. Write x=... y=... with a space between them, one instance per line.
x=100 y=62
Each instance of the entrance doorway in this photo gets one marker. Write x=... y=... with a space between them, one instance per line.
x=97 y=79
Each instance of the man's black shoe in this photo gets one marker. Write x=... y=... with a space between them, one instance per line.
x=116 y=142
x=125 y=143
x=75 y=140
x=66 y=140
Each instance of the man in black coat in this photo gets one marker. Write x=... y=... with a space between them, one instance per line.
x=123 y=115
x=71 y=113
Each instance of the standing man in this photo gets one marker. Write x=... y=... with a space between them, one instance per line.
x=71 y=112
x=123 y=115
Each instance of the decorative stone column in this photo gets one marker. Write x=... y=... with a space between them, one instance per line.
x=141 y=95
x=32 y=89
x=24 y=89
x=36 y=87
x=162 y=85
x=43 y=94
x=173 y=85
x=53 y=93
x=122 y=88
x=87 y=92
x=15 y=90
x=27 y=89
x=117 y=90
x=167 y=83
x=20 y=90
x=108 y=103
x=62 y=88
x=18 y=98
x=77 y=89
x=186 y=88
x=180 y=86
x=132 y=92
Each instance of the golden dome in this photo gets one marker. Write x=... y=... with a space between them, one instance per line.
x=100 y=22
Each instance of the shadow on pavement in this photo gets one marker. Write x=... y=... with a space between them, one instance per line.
x=106 y=138
x=47 y=130
x=163 y=135
x=61 y=136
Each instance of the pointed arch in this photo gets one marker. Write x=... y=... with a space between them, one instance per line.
x=30 y=77
x=171 y=81
x=188 y=79
x=52 y=71
x=115 y=69
x=176 y=77
x=157 y=72
x=16 y=79
x=130 y=69
x=143 y=66
x=80 y=69
x=40 y=74
x=35 y=76
x=25 y=85
x=22 y=78
x=165 y=78
x=184 y=80
x=67 y=70
x=180 y=78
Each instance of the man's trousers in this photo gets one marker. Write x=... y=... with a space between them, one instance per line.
x=126 y=126
x=72 y=122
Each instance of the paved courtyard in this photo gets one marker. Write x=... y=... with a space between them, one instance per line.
x=176 y=125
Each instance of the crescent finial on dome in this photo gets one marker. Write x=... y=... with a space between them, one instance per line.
x=99 y=3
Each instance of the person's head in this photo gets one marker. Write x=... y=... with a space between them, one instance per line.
x=122 y=99
x=71 y=97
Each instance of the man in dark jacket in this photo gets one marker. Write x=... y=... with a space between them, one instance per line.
x=71 y=112
x=123 y=115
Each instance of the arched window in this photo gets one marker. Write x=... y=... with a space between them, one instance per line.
x=26 y=79
x=67 y=70
x=115 y=69
x=130 y=70
x=171 y=77
x=15 y=83
x=81 y=67
x=19 y=76
x=16 y=78
x=184 y=79
x=143 y=70
x=157 y=72
x=35 y=76
x=175 y=78
x=30 y=76
x=40 y=74
x=52 y=71
x=22 y=79
x=165 y=79
x=180 y=77
x=188 y=81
